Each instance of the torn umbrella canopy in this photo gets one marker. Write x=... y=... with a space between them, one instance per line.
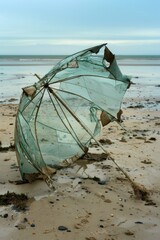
x=60 y=114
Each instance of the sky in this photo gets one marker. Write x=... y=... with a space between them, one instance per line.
x=66 y=26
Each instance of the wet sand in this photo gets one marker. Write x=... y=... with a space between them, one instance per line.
x=92 y=201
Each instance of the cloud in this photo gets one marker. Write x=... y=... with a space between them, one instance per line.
x=82 y=42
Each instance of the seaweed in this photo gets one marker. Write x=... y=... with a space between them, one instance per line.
x=19 y=201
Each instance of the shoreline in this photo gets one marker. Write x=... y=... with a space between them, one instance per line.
x=148 y=103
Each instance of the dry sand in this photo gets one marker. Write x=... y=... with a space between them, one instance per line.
x=82 y=207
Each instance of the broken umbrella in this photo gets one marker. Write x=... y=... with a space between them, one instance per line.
x=60 y=114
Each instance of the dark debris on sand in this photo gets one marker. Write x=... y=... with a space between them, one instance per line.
x=19 y=201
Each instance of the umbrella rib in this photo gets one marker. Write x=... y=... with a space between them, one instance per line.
x=35 y=124
x=31 y=100
x=81 y=75
x=71 y=93
x=75 y=135
x=75 y=117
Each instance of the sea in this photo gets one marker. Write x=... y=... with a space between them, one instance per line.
x=18 y=71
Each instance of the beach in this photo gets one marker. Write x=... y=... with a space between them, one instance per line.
x=93 y=200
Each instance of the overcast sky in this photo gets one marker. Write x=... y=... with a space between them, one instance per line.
x=67 y=26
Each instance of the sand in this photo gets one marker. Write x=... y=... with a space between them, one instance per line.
x=96 y=202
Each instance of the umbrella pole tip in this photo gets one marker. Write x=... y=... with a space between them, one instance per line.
x=140 y=191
